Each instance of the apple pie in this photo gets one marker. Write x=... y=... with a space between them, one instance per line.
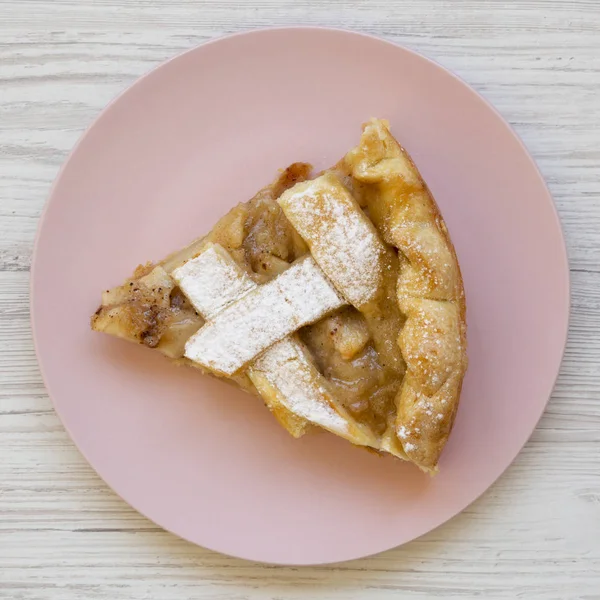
x=337 y=298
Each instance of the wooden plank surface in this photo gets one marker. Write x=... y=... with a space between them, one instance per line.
x=65 y=536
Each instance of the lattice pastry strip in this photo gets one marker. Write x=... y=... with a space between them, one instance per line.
x=286 y=374
x=342 y=240
x=264 y=315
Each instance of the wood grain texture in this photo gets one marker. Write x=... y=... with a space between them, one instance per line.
x=65 y=536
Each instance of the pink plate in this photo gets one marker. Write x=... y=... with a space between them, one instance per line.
x=176 y=151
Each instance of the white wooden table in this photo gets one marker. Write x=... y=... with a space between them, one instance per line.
x=65 y=536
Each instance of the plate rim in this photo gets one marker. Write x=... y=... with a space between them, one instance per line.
x=51 y=195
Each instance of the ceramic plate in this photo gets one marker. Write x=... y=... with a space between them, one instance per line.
x=205 y=131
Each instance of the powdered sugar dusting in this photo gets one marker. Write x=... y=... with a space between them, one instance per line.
x=212 y=281
x=341 y=238
x=289 y=370
x=402 y=432
x=263 y=316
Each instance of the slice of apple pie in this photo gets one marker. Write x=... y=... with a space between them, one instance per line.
x=338 y=299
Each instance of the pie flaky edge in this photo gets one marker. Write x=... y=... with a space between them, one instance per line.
x=430 y=290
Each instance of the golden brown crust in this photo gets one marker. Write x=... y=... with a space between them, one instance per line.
x=430 y=291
